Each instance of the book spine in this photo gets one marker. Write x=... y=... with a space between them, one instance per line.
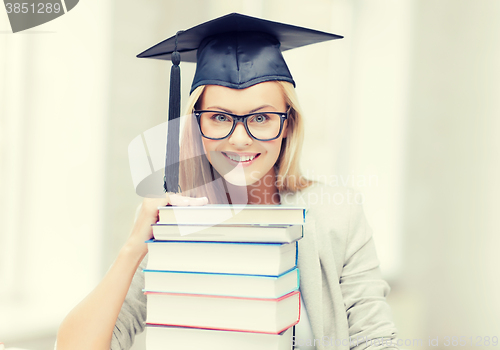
x=289 y=295
x=225 y=329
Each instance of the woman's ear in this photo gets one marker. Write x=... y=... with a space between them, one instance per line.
x=285 y=129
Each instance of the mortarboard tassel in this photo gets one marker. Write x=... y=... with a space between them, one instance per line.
x=171 y=179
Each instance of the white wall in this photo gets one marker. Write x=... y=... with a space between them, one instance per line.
x=53 y=103
x=408 y=99
x=451 y=228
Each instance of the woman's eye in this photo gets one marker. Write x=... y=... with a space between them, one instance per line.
x=220 y=118
x=259 y=118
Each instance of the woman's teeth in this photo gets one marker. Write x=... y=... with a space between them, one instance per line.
x=240 y=159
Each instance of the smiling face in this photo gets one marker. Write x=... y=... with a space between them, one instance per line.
x=239 y=158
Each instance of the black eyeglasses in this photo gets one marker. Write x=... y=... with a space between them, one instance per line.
x=261 y=126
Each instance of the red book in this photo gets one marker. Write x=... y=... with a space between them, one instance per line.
x=257 y=315
x=165 y=337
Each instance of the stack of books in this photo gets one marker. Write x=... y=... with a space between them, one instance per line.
x=223 y=277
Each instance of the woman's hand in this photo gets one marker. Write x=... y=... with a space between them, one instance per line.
x=148 y=215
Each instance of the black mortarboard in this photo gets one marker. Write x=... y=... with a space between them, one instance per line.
x=235 y=51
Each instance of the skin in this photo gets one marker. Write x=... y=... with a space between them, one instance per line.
x=90 y=324
x=243 y=182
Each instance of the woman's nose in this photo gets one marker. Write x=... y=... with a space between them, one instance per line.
x=240 y=137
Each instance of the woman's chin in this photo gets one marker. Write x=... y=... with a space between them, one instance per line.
x=238 y=180
x=239 y=177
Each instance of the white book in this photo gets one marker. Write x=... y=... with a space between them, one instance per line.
x=214 y=214
x=270 y=259
x=250 y=286
x=183 y=338
x=228 y=233
x=225 y=313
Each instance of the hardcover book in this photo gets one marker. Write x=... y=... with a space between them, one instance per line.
x=270 y=259
x=224 y=313
x=164 y=337
x=228 y=233
x=251 y=286
x=214 y=214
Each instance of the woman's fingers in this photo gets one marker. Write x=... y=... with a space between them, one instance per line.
x=198 y=201
x=178 y=200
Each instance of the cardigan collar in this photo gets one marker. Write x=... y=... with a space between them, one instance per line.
x=309 y=263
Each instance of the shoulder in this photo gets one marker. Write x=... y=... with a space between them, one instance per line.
x=322 y=196
x=332 y=208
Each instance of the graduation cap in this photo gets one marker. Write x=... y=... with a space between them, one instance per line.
x=234 y=51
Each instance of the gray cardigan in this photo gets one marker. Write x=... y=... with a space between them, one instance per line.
x=340 y=278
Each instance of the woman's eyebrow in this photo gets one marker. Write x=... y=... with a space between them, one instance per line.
x=229 y=111
x=220 y=108
x=259 y=108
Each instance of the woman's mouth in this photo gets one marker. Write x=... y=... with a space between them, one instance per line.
x=243 y=159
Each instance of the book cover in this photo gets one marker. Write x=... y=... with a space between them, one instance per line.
x=222 y=257
x=250 y=286
x=214 y=214
x=228 y=233
x=270 y=316
x=158 y=337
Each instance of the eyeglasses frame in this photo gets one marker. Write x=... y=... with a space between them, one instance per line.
x=243 y=119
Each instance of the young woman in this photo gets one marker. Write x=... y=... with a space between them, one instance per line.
x=250 y=138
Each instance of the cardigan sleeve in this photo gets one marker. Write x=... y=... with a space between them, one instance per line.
x=363 y=289
x=132 y=317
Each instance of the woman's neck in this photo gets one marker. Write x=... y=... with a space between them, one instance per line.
x=263 y=191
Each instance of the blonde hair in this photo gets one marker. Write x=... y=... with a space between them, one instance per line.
x=199 y=177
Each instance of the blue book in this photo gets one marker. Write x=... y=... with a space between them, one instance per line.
x=228 y=233
x=268 y=259
x=223 y=284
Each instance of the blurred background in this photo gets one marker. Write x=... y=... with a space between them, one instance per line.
x=405 y=108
